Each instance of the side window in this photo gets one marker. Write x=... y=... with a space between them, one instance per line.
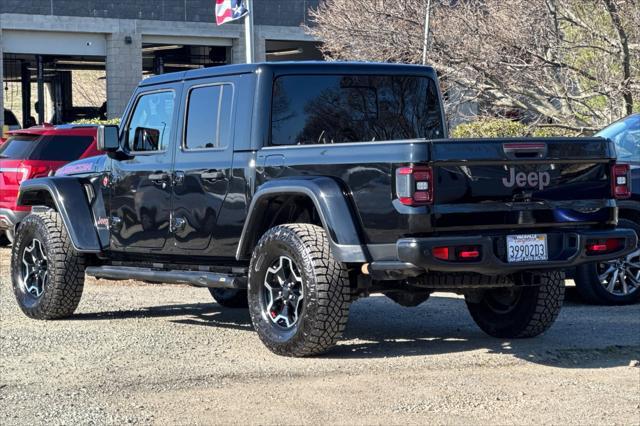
x=151 y=121
x=208 y=120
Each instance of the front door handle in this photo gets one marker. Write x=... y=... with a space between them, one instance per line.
x=212 y=175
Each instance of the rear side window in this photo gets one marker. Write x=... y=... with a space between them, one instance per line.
x=60 y=148
x=48 y=147
x=208 y=122
x=18 y=147
x=325 y=109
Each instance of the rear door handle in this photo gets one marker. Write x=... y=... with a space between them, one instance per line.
x=159 y=178
x=178 y=177
x=212 y=175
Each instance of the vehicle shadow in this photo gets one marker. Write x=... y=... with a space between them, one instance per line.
x=207 y=314
x=583 y=336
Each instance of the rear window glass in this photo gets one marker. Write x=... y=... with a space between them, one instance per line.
x=324 y=109
x=49 y=148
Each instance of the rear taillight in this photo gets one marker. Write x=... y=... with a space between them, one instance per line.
x=457 y=253
x=441 y=253
x=414 y=185
x=621 y=181
x=22 y=174
x=29 y=172
x=604 y=246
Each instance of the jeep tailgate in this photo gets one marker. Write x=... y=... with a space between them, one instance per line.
x=520 y=183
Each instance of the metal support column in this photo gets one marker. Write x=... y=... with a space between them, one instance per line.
x=25 y=83
x=158 y=64
x=40 y=77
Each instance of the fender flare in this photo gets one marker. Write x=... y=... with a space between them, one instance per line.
x=329 y=200
x=70 y=201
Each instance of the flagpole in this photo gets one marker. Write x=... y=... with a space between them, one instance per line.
x=248 y=33
x=425 y=44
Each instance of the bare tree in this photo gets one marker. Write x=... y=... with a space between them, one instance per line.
x=572 y=64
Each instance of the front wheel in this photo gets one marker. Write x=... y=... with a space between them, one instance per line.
x=525 y=310
x=299 y=295
x=46 y=271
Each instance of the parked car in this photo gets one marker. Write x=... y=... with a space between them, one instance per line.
x=37 y=152
x=617 y=282
x=296 y=188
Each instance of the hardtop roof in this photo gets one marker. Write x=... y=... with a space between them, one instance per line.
x=293 y=67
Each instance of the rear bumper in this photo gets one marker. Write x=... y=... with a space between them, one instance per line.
x=10 y=218
x=566 y=250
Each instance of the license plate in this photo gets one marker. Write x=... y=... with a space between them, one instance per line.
x=527 y=248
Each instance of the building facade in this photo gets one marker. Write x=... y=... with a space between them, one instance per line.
x=42 y=41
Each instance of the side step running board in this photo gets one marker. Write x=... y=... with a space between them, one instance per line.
x=194 y=278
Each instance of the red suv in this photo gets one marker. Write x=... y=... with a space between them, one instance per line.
x=37 y=152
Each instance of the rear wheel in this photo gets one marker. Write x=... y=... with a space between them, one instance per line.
x=525 y=310
x=46 y=271
x=299 y=295
x=611 y=283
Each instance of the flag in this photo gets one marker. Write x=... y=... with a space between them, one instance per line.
x=230 y=10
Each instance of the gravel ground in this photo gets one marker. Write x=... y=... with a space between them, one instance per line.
x=149 y=354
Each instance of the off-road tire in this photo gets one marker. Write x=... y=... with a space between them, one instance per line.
x=588 y=284
x=534 y=311
x=229 y=297
x=325 y=284
x=63 y=287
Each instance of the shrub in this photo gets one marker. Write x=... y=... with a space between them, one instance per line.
x=504 y=128
x=97 y=121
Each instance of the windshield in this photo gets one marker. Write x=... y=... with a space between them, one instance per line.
x=626 y=135
x=328 y=109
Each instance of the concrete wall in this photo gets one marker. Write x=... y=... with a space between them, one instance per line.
x=267 y=12
x=123 y=68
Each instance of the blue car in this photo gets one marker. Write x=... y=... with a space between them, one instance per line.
x=618 y=282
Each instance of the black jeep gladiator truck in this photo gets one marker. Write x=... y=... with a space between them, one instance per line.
x=296 y=188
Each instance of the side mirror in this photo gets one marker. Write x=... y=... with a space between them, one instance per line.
x=146 y=139
x=107 y=138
